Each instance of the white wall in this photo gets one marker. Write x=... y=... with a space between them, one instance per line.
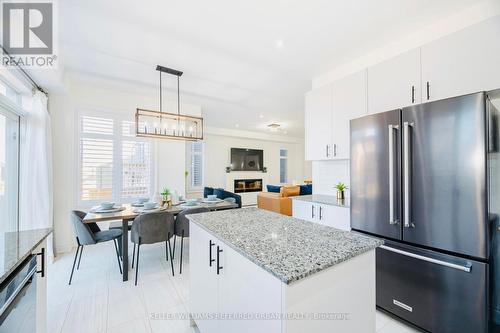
x=83 y=92
x=326 y=174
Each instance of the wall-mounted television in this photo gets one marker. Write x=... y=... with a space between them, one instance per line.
x=243 y=159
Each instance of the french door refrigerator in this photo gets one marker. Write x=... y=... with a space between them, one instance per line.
x=425 y=178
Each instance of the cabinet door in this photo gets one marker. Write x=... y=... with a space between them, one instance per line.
x=318 y=123
x=333 y=216
x=303 y=210
x=349 y=102
x=395 y=83
x=465 y=62
x=203 y=278
x=41 y=287
x=248 y=292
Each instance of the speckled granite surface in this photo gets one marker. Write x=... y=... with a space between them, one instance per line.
x=289 y=248
x=323 y=199
x=17 y=246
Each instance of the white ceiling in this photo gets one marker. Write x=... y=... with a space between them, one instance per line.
x=228 y=49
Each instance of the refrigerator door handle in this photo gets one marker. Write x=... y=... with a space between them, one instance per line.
x=392 y=220
x=466 y=268
x=407 y=175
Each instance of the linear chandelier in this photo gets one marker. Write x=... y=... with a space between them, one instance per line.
x=165 y=125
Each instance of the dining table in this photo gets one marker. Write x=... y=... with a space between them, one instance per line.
x=129 y=212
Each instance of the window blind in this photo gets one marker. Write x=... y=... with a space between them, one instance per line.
x=196 y=164
x=114 y=165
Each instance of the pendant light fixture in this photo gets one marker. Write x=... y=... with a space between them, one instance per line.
x=165 y=125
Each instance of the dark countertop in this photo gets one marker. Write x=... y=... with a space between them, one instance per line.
x=16 y=246
x=323 y=199
x=289 y=248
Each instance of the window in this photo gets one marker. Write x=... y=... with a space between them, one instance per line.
x=283 y=166
x=195 y=165
x=9 y=169
x=9 y=92
x=114 y=164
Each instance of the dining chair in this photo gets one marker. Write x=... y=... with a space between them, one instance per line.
x=89 y=234
x=182 y=227
x=151 y=228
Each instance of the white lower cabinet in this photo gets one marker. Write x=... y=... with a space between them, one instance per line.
x=229 y=293
x=41 y=287
x=234 y=294
x=329 y=215
x=203 y=280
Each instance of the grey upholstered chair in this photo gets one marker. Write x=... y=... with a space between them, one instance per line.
x=150 y=228
x=182 y=227
x=89 y=234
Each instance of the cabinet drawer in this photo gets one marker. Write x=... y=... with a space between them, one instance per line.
x=432 y=290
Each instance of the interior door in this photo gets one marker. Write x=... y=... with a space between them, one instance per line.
x=375 y=174
x=444 y=175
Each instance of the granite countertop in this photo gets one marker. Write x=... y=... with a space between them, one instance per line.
x=323 y=199
x=16 y=246
x=289 y=248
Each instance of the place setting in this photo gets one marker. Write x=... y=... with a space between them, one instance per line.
x=148 y=207
x=107 y=207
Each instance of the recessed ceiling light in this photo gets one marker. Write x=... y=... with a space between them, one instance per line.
x=261 y=116
x=237 y=125
x=280 y=43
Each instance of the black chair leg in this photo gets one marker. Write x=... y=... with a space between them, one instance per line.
x=118 y=256
x=74 y=262
x=137 y=263
x=79 y=259
x=182 y=249
x=133 y=256
x=120 y=247
x=171 y=258
x=173 y=251
x=166 y=250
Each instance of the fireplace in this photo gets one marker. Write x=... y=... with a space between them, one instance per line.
x=247 y=185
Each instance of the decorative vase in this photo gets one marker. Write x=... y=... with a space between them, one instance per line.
x=340 y=195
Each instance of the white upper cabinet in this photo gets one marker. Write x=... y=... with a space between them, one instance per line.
x=318 y=124
x=395 y=83
x=465 y=62
x=349 y=102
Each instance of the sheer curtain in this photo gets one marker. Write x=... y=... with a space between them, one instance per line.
x=36 y=208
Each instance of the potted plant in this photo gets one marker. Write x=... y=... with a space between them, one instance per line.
x=165 y=194
x=341 y=187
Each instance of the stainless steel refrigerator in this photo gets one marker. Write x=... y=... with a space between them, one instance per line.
x=426 y=179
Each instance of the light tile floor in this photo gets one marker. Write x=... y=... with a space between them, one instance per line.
x=98 y=301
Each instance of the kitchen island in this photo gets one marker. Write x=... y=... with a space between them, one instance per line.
x=253 y=270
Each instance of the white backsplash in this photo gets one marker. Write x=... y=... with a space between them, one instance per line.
x=326 y=174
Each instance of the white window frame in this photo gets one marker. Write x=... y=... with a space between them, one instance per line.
x=189 y=157
x=286 y=169
x=118 y=117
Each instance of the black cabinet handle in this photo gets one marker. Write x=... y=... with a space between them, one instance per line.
x=210 y=244
x=412 y=94
x=42 y=254
x=428 y=90
x=312 y=211
x=219 y=250
x=320 y=212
